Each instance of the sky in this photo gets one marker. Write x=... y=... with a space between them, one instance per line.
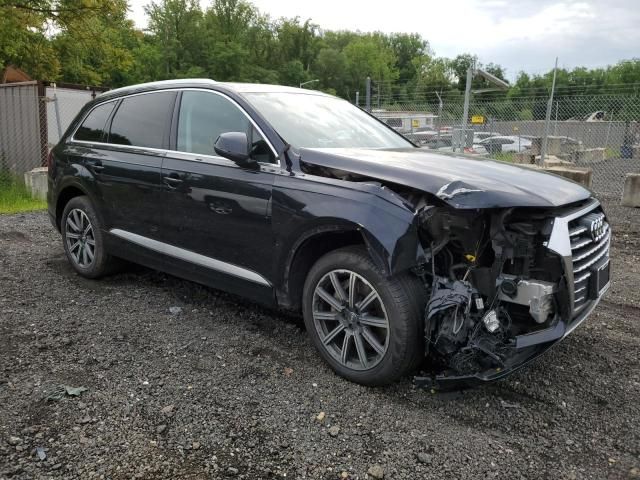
x=520 y=35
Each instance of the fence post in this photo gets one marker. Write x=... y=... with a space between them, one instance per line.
x=465 y=112
x=547 y=118
x=368 y=95
x=358 y=98
x=57 y=110
x=439 y=120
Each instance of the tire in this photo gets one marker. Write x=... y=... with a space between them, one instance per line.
x=83 y=239
x=399 y=301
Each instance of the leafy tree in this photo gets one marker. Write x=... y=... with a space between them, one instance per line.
x=368 y=56
x=27 y=28
x=97 y=49
x=93 y=42
x=176 y=27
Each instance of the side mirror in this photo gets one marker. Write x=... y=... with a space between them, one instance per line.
x=234 y=146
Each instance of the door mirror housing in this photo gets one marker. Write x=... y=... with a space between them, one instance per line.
x=234 y=146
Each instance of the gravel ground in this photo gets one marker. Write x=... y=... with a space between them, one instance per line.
x=226 y=389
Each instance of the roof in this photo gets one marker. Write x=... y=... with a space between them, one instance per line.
x=266 y=88
x=206 y=82
x=13 y=74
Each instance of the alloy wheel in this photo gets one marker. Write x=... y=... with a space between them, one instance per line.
x=81 y=243
x=350 y=319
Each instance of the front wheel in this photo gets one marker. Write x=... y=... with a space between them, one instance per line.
x=365 y=325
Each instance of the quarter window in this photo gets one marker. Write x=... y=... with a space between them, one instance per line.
x=142 y=120
x=92 y=128
x=204 y=116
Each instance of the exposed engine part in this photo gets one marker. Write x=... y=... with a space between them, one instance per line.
x=492 y=281
x=509 y=287
x=454 y=327
x=491 y=322
x=537 y=294
x=448 y=311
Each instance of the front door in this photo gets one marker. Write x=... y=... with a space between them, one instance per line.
x=214 y=207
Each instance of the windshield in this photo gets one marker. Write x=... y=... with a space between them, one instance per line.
x=319 y=121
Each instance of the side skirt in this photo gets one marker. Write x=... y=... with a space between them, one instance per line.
x=190 y=266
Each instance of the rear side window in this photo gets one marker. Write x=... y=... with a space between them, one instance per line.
x=142 y=120
x=92 y=128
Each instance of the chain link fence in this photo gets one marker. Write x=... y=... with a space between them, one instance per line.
x=601 y=133
x=597 y=132
x=33 y=117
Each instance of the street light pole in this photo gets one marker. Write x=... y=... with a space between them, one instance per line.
x=310 y=81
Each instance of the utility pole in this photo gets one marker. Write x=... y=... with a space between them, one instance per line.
x=547 y=118
x=368 y=95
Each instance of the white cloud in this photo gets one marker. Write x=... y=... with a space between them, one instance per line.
x=519 y=34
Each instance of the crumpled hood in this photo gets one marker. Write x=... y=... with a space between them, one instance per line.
x=460 y=181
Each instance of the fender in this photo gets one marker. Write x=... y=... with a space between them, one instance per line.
x=307 y=206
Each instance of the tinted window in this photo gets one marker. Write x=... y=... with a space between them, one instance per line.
x=142 y=120
x=92 y=128
x=204 y=116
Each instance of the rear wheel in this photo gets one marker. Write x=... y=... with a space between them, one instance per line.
x=366 y=326
x=83 y=239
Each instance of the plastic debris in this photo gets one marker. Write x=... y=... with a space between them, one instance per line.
x=62 y=390
x=42 y=455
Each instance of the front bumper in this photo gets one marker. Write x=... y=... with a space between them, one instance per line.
x=528 y=347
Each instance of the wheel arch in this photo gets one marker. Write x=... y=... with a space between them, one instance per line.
x=64 y=196
x=324 y=238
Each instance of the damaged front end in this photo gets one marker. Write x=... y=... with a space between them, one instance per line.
x=504 y=285
x=511 y=260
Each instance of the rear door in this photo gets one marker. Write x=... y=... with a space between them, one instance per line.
x=214 y=207
x=127 y=165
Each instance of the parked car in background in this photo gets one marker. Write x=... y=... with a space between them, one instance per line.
x=422 y=137
x=473 y=150
x=439 y=141
x=479 y=136
x=396 y=256
x=505 y=144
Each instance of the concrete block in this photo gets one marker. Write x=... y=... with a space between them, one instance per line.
x=583 y=176
x=553 y=161
x=523 y=158
x=570 y=146
x=631 y=192
x=555 y=145
x=590 y=155
x=36 y=182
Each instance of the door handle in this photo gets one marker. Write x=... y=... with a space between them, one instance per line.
x=97 y=166
x=172 y=180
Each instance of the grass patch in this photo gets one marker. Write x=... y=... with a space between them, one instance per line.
x=504 y=156
x=610 y=152
x=15 y=198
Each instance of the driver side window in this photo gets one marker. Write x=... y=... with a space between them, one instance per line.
x=205 y=115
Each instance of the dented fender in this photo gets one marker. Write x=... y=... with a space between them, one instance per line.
x=306 y=205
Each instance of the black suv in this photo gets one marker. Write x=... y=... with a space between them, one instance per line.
x=397 y=257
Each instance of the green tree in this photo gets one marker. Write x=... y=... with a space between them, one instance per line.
x=97 y=49
x=367 y=56
x=28 y=27
x=176 y=27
